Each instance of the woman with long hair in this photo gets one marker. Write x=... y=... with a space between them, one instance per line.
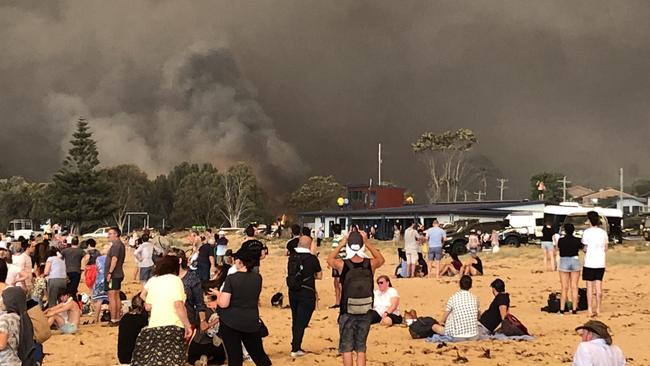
x=569 y=266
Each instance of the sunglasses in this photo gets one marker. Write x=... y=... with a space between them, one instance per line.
x=381 y=282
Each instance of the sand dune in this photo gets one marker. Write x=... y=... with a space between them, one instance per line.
x=626 y=311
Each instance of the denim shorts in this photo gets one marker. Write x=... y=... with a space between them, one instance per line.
x=547 y=245
x=435 y=253
x=569 y=264
x=353 y=330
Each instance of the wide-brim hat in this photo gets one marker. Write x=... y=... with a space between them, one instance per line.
x=599 y=328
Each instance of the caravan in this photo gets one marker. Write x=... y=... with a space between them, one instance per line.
x=572 y=212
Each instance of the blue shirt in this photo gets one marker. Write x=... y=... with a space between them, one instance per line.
x=435 y=235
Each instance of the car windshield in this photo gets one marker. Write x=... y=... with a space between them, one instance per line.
x=580 y=222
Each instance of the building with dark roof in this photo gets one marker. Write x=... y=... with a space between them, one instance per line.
x=384 y=219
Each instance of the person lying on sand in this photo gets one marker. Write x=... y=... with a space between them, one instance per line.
x=65 y=315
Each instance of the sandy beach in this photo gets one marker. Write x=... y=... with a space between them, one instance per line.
x=626 y=311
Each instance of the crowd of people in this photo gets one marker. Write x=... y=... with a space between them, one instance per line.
x=202 y=305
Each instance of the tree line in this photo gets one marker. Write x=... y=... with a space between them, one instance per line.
x=82 y=195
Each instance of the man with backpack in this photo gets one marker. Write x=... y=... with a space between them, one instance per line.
x=357 y=280
x=303 y=269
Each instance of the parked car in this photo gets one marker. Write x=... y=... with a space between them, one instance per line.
x=457 y=242
x=102 y=232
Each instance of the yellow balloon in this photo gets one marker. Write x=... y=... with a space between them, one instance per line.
x=340 y=201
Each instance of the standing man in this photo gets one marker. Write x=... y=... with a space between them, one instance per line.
x=205 y=261
x=292 y=243
x=303 y=269
x=357 y=280
x=73 y=257
x=435 y=237
x=221 y=247
x=411 y=246
x=23 y=260
x=114 y=274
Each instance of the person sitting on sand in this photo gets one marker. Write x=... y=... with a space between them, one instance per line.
x=461 y=314
x=494 y=315
x=596 y=346
x=129 y=328
x=474 y=266
x=65 y=315
x=386 y=302
x=452 y=268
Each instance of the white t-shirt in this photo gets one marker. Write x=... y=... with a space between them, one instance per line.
x=144 y=251
x=13 y=271
x=595 y=239
x=382 y=301
x=597 y=353
x=411 y=237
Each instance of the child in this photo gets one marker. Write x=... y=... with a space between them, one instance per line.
x=203 y=343
x=130 y=326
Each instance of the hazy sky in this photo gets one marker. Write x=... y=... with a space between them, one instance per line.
x=301 y=88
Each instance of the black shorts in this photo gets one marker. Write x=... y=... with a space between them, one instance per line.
x=593 y=274
x=375 y=318
x=335 y=273
x=113 y=284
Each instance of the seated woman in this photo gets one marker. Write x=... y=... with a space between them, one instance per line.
x=65 y=314
x=493 y=316
x=130 y=326
x=386 y=304
x=473 y=267
x=453 y=268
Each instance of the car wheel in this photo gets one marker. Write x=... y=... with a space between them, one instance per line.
x=512 y=240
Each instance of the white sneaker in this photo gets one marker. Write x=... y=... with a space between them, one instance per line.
x=299 y=353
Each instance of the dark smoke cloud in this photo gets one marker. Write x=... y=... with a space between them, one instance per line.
x=300 y=87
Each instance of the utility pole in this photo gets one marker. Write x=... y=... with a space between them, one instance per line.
x=564 y=184
x=479 y=194
x=621 y=195
x=502 y=182
x=379 y=166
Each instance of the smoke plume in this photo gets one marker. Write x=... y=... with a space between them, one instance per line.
x=310 y=87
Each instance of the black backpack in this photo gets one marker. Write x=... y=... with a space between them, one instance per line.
x=582 y=299
x=422 y=327
x=358 y=287
x=295 y=277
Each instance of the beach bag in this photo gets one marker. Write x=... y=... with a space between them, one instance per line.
x=90 y=275
x=553 y=303
x=295 y=278
x=277 y=300
x=42 y=330
x=358 y=286
x=511 y=326
x=421 y=328
x=582 y=299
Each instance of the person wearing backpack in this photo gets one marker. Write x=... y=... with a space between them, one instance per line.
x=303 y=269
x=357 y=272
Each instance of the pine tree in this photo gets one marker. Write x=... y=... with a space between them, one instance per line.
x=78 y=193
